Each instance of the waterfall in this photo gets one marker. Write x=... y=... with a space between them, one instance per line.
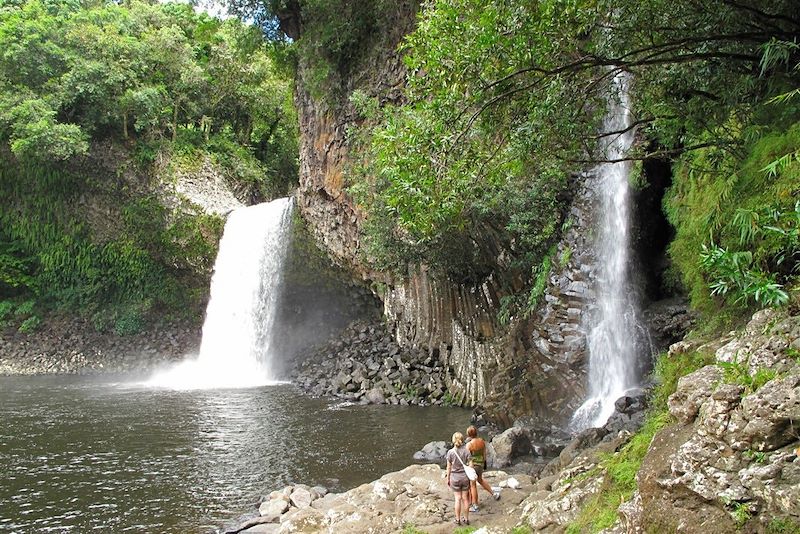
x=238 y=329
x=614 y=329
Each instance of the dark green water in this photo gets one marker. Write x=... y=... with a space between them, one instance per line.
x=83 y=454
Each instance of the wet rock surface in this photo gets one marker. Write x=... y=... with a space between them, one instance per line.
x=364 y=364
x=71 y=345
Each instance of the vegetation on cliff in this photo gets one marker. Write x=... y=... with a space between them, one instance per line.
x=469 y=173
x=505 y=99
x=102 y=103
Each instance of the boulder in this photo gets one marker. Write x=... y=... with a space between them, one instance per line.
x=375 y=396
x=772 y=414
x=511 y=444
x=272 y=509
x=433 y=452
x=303 y=496
x=693 y=389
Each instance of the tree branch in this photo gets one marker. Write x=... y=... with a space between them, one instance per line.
x=649 y=155
x=762 y=14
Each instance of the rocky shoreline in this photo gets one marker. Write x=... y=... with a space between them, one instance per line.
x=413 y=498
x=727 y=459
x=364 y=364
x=71 y=345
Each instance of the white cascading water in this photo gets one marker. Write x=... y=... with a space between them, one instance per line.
x=238 y=329
x=614 y=349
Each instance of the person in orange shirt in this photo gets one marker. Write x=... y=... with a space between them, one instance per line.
x=477 y=448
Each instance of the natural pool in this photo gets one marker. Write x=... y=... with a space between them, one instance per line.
x=81 y=454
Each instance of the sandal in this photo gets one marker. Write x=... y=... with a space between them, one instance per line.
x=457 y=521
x=464 y=521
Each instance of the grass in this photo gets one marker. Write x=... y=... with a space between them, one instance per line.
x=741 y=514
x=783 y=526
x=738 y=373
x=619 y=483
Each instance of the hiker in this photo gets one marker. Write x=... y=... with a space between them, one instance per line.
x=457 y=458
x=477 y=448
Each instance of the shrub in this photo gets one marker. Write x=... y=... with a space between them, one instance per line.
x=30 y=324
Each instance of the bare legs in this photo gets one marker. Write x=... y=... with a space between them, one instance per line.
x=464 y=496
x=473 y=488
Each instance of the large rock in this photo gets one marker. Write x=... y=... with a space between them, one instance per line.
x=555 y=504
x=772 y=414
x=734 y=454
x=375 y=396
x=272 y=509
x=511 y=444
x=693 y=389
x=417 y=496
x=433 y=452
x=303 y=496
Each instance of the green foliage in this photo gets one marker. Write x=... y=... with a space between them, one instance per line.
x=85 y=84
x=410 y=392
x=6 y=309
x=504 y=99
x=30 y=324
x=336 y=34
x=741 y=514
x=733 y=272
x=737 y=222
x=523 y=529
x=411 y=529
x=66 y=268
x=783 y=526
x=141 y=71
x=448 y=399
x=739 y=373
x=524 y=304
x=619 y=484
x=758 y=457
x=128 y=322
x=464 y=530
x=669 y=369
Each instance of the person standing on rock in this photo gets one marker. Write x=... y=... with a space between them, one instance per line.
x=457 y=458
x=477 y=448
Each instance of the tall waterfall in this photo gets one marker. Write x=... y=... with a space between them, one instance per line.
x=615 y=330
x=238 y=329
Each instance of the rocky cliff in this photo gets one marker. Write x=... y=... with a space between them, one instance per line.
x=453 y=322
x=727 y=458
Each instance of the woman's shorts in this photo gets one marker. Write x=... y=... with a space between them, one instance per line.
x=459 y=483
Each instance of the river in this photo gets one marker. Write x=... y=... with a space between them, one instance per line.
x=81 y=454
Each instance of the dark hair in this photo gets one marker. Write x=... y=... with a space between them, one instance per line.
x=472 y=432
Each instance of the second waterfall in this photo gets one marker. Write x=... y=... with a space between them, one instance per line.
x=237 y=332
x=616 y=336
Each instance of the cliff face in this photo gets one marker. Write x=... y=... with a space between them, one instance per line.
x=530 y=366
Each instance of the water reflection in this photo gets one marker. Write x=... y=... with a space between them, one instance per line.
x=78 y=454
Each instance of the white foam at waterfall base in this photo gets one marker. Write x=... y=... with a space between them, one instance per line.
x=614 y=349
x=238 y=329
